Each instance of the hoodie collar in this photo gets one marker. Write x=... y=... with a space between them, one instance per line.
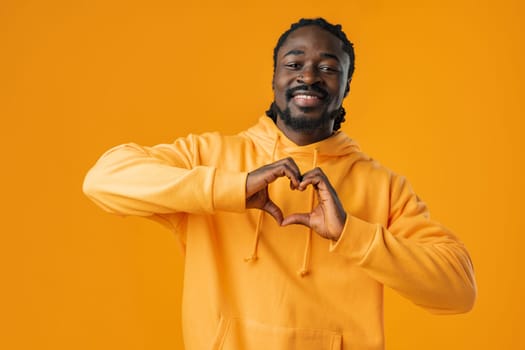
x=267 y=133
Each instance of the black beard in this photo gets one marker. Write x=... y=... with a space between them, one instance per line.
x=305 y=124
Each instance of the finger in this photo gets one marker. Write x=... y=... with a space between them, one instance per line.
x=323 y=188
x=310 y=179
x=263 y=176
x=317 y=178
x=324 y=191
x=292 y=172
x=272 y=209
x=284 y=167
x=299 y=219
x=314 y=172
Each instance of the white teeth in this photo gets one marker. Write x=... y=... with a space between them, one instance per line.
x=306 y=97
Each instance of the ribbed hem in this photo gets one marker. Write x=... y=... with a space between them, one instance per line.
x=229 y=191
x=356 y=239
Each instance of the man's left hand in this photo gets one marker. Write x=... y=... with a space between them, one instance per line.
x=328 y=217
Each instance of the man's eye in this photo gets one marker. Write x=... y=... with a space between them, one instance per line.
x=292 y=65
x=328 y=69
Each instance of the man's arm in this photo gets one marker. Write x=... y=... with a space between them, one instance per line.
x=135 y=180
x=414 y=255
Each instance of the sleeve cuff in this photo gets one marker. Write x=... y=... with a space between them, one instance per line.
x=229 y=191
x=356 y=239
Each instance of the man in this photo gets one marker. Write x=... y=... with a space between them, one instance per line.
x=290 y=231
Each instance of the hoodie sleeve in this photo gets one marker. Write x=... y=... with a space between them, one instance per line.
x=414 y=255
x=164 y=179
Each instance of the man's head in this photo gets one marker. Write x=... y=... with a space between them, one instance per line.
x=313 y=66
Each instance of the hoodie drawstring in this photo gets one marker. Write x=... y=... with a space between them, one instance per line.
x=254 y=255
x=305 y=269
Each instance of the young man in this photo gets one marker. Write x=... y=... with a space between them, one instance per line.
x=290 y=231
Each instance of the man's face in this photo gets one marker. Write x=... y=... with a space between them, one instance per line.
x=310 y=78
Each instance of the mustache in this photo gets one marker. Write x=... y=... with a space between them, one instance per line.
x=315 y=88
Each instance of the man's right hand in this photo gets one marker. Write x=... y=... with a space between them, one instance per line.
x=257 y=185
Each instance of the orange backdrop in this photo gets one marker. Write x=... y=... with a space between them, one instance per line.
x=438 y=96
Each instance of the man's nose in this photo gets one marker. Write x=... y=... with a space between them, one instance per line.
x=308 y=75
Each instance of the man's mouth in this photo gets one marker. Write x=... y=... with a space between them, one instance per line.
x=307 y=98
x=306 y=92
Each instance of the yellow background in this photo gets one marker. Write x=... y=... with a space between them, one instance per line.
x=438 y=96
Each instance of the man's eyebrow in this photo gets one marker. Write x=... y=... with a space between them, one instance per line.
x=298 y=52
x=330 y=55
x=294 y=52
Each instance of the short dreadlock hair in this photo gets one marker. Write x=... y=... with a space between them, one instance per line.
x=334 y=29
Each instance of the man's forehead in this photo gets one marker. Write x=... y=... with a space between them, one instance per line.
x=312 y=37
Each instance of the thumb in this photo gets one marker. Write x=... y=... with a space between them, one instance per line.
x=300 y=219
x=272 y=209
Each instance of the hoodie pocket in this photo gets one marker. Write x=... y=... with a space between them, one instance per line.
x=237 y=334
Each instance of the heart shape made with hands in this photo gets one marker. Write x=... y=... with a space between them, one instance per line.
x=327 y=218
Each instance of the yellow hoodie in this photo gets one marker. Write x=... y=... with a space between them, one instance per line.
x=251 y=284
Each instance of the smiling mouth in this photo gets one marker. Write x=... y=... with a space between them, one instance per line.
x=306 y=96
x=305 y=99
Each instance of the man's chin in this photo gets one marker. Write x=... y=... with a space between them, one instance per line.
x=307 y=112
x=307 y=120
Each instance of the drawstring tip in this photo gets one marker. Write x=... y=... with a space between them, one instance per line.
x=251 y=258
x=303 y=272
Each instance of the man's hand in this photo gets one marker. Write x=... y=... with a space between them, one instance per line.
x=327 y=218
x=259 y=179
